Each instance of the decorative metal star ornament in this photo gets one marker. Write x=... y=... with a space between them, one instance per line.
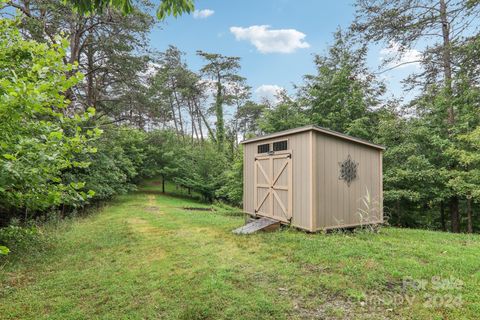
x=348 y=170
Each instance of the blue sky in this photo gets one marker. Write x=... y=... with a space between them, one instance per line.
x=278 y=55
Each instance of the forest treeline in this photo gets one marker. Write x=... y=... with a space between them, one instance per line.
x=88 y=109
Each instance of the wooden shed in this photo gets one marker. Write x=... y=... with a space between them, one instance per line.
x=313 y=178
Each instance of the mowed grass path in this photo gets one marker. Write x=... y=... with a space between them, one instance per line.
x=145 y=257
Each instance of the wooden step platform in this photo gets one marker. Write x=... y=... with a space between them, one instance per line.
x=261 y=224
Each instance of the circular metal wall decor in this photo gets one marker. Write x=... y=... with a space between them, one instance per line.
x=348 y=170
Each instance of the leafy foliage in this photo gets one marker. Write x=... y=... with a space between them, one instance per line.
x=202 y=170
x=166 y=7
x=174 y=8
x=39 y=140
x=232 y=189
x=17 y=239
x=4 y=250
x=114 y=168
x=223 y=73
x=343 y=92
x=286 y=114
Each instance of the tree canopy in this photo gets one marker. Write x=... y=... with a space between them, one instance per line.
x=165 y=8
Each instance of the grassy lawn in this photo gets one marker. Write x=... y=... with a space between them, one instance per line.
x=145 y=256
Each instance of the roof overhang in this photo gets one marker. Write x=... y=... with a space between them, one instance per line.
x=317 y=129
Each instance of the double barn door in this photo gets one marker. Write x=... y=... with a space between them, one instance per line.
x=273 y=186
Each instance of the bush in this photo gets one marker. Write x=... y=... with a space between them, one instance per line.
x=201 y=169
x=232 y=190
x=20 y=239
x=38 y=142
x=114 y=168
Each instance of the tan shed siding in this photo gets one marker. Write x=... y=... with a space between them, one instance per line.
x=300 y=145
x=337 y=204
x=313 y=170
x=244 y=173
x=248 y=177
x=380 y=182
x=301 y=184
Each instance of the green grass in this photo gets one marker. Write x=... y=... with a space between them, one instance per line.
x=145 y=257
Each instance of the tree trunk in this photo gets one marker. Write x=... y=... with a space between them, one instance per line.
x=199 y=119
x=90 y=80
x=173 y=114
x=454 y=214
x=235 y=124
x=235 y=132
x=219 y=114
x=163 y=184
x=206 y=124
x=447 y=61
x=442 y=216
x=180 y=121
x=447 y=77
x=191 y=110
x=75 y=38
x=469 y=216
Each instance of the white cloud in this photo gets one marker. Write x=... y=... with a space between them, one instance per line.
x=396 y=55
x=269 y=92
x=203 y=14
x=268 y=40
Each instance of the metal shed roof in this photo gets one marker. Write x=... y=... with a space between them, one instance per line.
x=318 y=129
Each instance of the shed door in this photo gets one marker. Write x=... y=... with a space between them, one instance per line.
x=273 y=186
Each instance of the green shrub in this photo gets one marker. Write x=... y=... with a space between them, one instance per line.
x=38 y=142
x=232 y=190
x=114 y=168
x=201 y=169
x=17 y=239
